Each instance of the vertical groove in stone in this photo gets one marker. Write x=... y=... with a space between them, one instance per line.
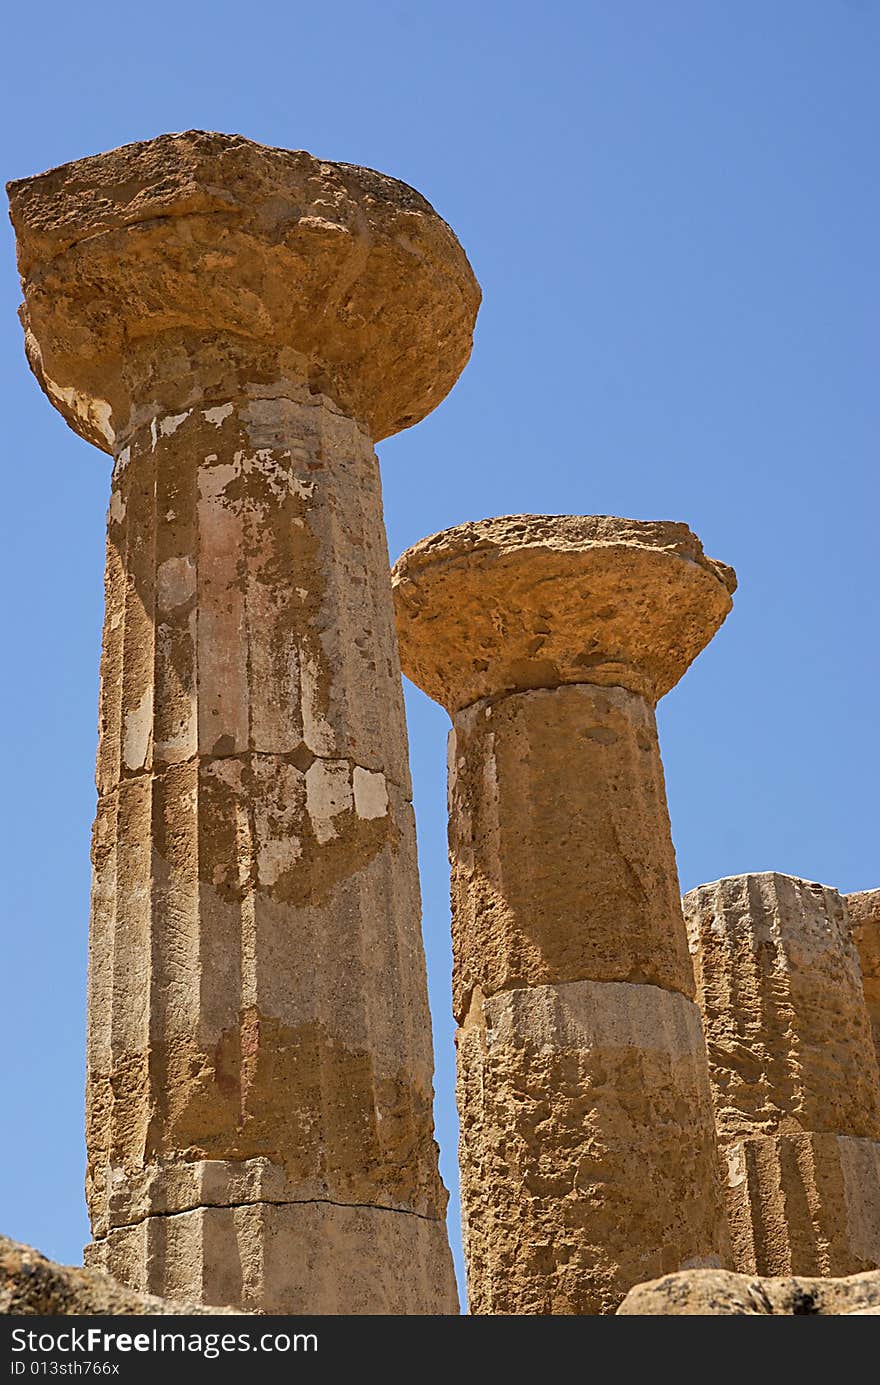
x=795 y=1081
x=804 y=1199
x=863 y=910
x=256 y=896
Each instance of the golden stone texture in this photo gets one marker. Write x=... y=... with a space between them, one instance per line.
x=325 y=272
x=32 y=1286
x=864 y=916
x=794 y=1073
x=721 y=1293
x=237 y=325
x=588 y=1156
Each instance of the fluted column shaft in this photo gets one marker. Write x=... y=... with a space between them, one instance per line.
x=794 y=1074
x=259 y=1036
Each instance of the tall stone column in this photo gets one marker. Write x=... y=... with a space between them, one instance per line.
x=237 y=325
x=794 y=1073
x=863 y=910
x=588 y=1153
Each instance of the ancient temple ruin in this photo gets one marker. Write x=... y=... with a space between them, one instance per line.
x=643 y=1090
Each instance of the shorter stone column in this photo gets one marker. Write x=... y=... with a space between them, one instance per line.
x=794 y=1073
x=588 y=1156
x=864 y=917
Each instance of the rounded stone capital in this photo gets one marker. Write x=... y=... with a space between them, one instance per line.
x=535 y=601
x=346 y=277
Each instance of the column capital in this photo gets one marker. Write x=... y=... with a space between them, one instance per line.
x=537 y=601
x=202 y=254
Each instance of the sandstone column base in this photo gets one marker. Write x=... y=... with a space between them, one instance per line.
x=576 y=1180
x=804 y=1204
x=303 y=1258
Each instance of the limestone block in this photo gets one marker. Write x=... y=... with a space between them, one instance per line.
x=573 y=1099
x=804 y=1200
x=304 y=1258
x=562 y=862
x=247 y=602
x=31 y=1285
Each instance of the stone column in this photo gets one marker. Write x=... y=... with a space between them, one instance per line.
x=237 y=325
x=794 y=1073
x=863 y=910
x=587 y=1145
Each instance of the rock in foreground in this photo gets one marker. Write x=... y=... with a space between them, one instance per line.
x=716 y=1293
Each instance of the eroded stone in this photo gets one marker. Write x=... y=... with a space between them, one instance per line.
x=237 y=324
x=794 y=1075
x=711 y=1293
x=562 y=860
x=587 y=1141
x=534 y=601
x=344 y=277
x=576 y=1179
x=325 y=1259
x=32 y=1285
x=864 y=916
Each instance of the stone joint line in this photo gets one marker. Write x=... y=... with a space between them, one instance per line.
x=288 y=756
x=267 y=1202
x=206 y=403
x=502 y=696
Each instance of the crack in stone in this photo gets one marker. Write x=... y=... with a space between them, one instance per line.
x=267 y=1202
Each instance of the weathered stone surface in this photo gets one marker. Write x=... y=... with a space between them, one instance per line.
x=711 y=1293
x=237 y=324
x=588 y=1147
x=574 y=772
x=340 y=276
x=534 y=601
x=31 y=1285
x=794 y=1074
x=864 y=916
x=804 y=1199
x=573 y=1100
x=265 y=1257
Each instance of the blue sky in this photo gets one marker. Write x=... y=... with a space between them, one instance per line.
x=673 y=211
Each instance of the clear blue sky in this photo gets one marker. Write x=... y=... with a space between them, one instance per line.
x=673 y=211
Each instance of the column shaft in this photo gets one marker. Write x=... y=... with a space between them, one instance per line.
x=259 y=1052
x=794 y=1074
x=588 y=1151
